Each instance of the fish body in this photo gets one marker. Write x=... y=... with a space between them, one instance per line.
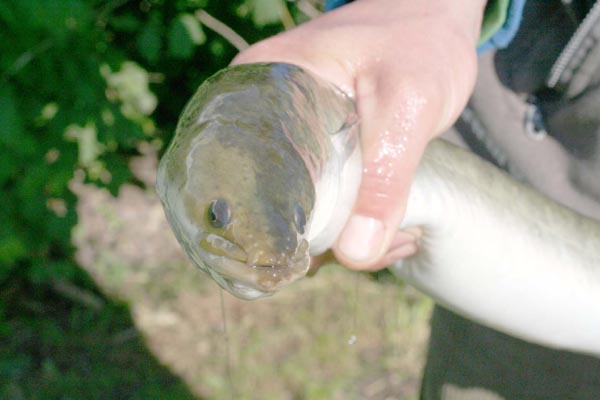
x=498 y=252
x=259 y=142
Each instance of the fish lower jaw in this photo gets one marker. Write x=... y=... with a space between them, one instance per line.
x=264 y=287
x=251 y=282
x=246 y=292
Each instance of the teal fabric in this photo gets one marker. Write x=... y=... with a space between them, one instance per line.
x=505 y=33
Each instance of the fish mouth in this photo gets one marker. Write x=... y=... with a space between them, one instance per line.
x=250 y=281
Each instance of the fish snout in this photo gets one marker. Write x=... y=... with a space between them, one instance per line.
x=290 y=257
x=255 y=270
x=274 y=270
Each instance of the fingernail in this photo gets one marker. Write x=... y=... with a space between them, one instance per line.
x=362 y=238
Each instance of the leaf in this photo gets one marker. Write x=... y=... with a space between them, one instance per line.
x=12 y=125
x=126 y=23
x=265 y=12
x=11 y=250
x=184 y=35
x=131 y=85
x=43 y=272
x=7 y=167
x=193 y=28
x=87 y=142
x=149 y=40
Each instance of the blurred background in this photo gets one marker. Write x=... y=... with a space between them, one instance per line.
x=96 y=299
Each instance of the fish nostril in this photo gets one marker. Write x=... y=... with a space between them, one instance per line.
x=263 y=266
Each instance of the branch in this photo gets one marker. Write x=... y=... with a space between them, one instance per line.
x=308 y=9
x=229 y=34
x=76 y=294
x=25 y=58
x=286 y=18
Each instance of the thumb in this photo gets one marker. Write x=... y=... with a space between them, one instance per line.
x=396 y=126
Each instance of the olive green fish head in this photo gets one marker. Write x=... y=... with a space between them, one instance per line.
x=239 y=199
x=239 y=182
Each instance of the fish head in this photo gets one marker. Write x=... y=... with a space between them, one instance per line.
x=239 y=203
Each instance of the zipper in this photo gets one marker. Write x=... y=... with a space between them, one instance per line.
x=573 y=45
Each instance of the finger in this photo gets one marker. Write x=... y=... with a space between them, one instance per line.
x=404 y=244
x=396 y=125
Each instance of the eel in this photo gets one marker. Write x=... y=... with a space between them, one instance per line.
x=263 y=173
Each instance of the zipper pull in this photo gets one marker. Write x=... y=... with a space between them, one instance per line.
x=534 y=121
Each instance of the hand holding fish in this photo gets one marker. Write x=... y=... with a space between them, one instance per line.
x=404 y=99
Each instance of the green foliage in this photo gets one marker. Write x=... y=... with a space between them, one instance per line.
x=82 y=84
x=264 y=12
x=184 y=35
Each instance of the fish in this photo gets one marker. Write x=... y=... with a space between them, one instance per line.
x=262 y=174
x=264 y=170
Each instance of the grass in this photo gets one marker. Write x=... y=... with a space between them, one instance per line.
x=295 y=344
x=158 y=332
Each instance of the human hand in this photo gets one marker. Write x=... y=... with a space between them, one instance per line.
x=411 y=67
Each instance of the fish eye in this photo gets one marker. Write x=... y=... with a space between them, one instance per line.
x=219 y=213
x=299 y=218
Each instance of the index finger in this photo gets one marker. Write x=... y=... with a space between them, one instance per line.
x=396 y=125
